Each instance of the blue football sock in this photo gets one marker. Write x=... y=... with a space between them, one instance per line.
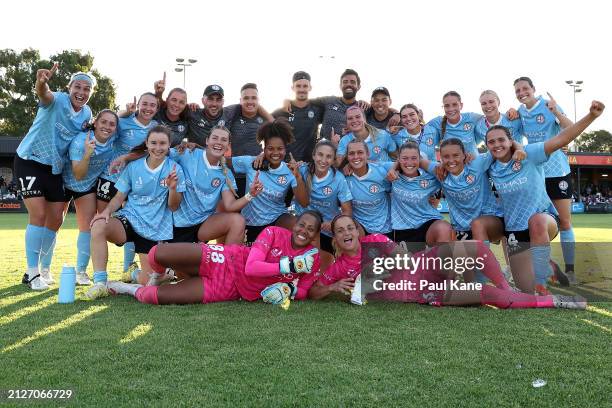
x=100 y=277
x=540 y=259
x=568 y=246
x=47 y=248
x=128 y=255
x=33 y=243
x=83 y=243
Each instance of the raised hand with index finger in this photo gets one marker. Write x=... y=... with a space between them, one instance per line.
x=160 y=86
x=132 y=106
x=90 y=144
x=44 y=75
x=172 y=179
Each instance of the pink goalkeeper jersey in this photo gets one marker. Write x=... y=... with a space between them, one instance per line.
x=262 y=268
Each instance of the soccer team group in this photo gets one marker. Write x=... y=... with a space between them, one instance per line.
x=291 y=197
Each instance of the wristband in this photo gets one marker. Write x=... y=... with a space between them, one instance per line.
x=248 y=197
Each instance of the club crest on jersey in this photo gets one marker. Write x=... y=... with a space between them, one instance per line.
x=467 y=126
x=540 y=118
x=377 y=149
x=216 y=182
x=221 y=123
x=281 y=180
x=374 y=188
x=242 y=122
x=327 y=190
x=563 y=185
x=259 y=120
x=180 y=128
x=516 y=166
x=424 y=183
x=429 y=141
x=469 y=178
x=202 y=123
x=310 y=114
x=84 y=125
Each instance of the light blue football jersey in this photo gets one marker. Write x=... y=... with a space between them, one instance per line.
x=427 y=140
x=539 y=125
x=130 y=133
x=521 y=187
x=98 y=162
x=514 y=126
x=204 y=184
x=371 y=203
x=464 y=130
x=410 y=207
x=146 y=207
x=326 y=194
x=469 y=193
x=379 y=148
x=54 y=127
x=269 y=204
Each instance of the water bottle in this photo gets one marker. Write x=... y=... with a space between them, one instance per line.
x=67 y=285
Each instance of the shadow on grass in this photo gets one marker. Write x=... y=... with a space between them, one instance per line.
x=24 y=297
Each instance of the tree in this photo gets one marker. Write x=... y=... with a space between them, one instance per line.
x=18 y=100
x=597 y=141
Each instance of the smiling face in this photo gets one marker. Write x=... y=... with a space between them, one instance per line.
x=304 y=231
x=249 y=101
x=79 y=91
x=380 y=103
x=354 y=120
x=158 y=145
x=274 y=151
x=524 y=93
x=357 y=155
x=349 y=86
x=452 y=108
x=323 y=158
x=409 y=162
x=346 y=235
x=176 y=103
x=499 y=145
x=105 y=126
x=410 y=119
x=147 y=108
x=489 y=105
x=301 y=88
x=217 y=143
x=213 y=104
x=453 y=158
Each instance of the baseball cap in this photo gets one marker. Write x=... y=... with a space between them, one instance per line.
x=382 y=90
x=213 y=89
x=301 y=75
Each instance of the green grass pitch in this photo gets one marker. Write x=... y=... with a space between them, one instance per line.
x=117 y=352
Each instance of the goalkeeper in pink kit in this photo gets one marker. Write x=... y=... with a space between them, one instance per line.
x=281 y=264
x=340 y=276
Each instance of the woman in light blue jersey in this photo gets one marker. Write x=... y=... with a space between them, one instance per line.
x=380 y=144
x=415 y=129
x=39 y=162
x=541 y=120
x=90 y=154
x=528 y=211
x=489 y=103
x=153 y=186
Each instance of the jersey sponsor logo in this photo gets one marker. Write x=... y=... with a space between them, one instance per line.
x=327 y=190
x=424 y=183
x=563 y=185
x=540 y=118
x=516 y=166
x=469 y=178
x=377 y=149
x=310 y=114
x=374 y=188
x=180 y=128
x=216 y=182
x=276 y=252
x=281 y=180
x=467 y=126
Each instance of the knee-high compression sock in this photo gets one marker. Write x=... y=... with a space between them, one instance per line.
x=47 y=248
x=540 y=257
x=33 y=243
x=491 y=268
x=505 y=299
x=83 y=245
x=568 y=246
x=147 y=294
x=129 y=252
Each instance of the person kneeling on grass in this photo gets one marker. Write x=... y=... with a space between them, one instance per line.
x=280 y=264
x=340 y=277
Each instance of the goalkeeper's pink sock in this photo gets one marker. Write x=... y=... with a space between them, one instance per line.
x=153 y=263
x=505 y=299
x=491 y=268
x=147 y=294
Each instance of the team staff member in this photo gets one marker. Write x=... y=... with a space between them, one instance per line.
x=39 y=162
x=303 y=117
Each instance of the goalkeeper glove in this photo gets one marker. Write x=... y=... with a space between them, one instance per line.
x=278 y=293
x=299 y=264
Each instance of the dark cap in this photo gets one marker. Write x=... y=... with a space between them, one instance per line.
x=213 y=89
x=301 y=75
x=382 y=90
